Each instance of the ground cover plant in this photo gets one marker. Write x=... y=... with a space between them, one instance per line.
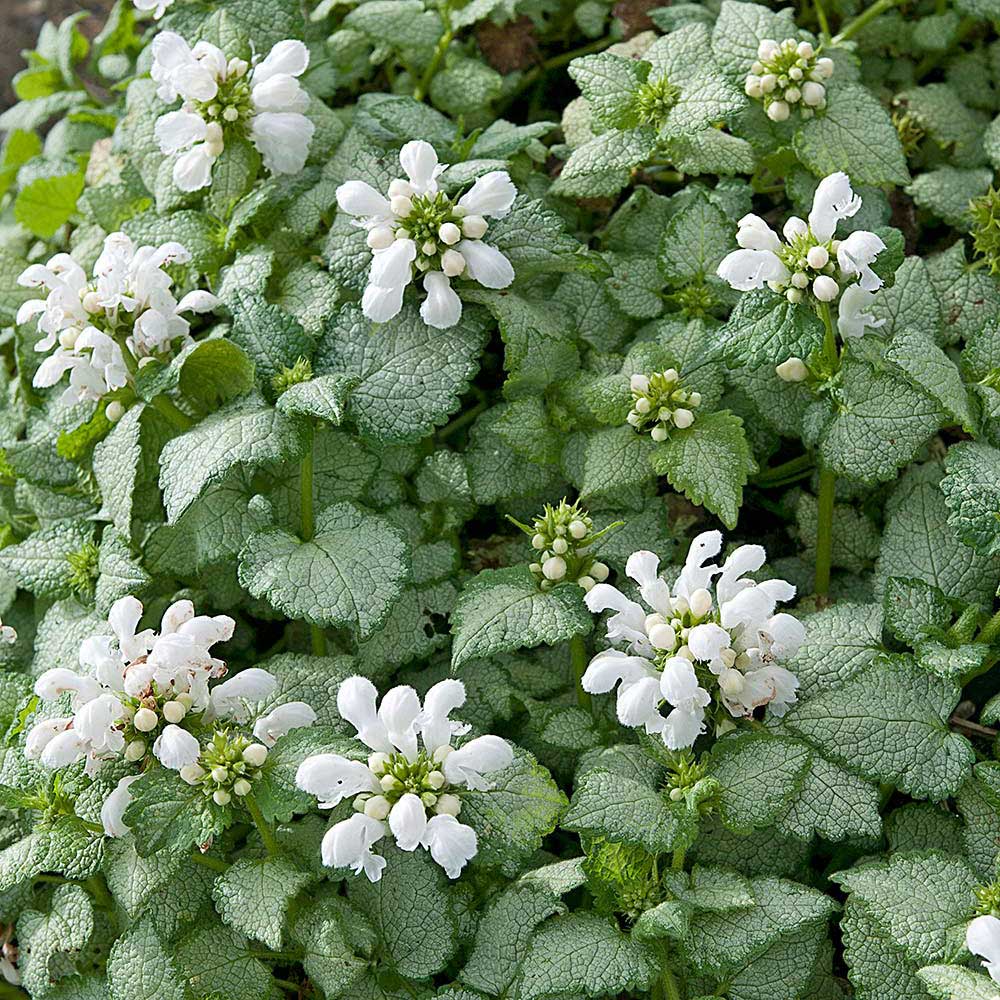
x=500 y=500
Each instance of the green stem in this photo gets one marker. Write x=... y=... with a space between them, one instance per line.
x=462 y=420
x=824 y=24
x=308 y=518
x=263 y=827
x=671 y=991
x=207 y=861
x=677 y=860
x=578 y=654
x=533 y=75
x=865 y=17
x=990 y=630
x=420 y=91
x=778 y=473
x=824 y=530
x=96 y=887
x=830 y=353
x=172 y=412
x=287 y=984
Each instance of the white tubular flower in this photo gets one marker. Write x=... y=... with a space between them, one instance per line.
x=176 y=748
x=717 y=616
x=417 y=227
x=349 y=845
x=803 y=264
x=411 y=779
x=268 y=729
x=42 y=734
x=853 y=317
x=855 y=254
x=59 y=680
x=229 y=700
x=157 y=7
x=115 y=805
x=222 y=101
x=982 y=938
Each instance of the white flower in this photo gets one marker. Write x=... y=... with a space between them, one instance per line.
x=176 y=748
x=982 y=938
x=282 y=720
x=412 y=772
x=415 y=226
x=733 y=632
x=229 y=699
x=853 y=317
x=224 y=98
x=805 y=261
x=158 y=7
x=115 y=805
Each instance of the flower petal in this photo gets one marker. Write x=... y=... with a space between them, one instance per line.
x=486 y=264
x=834 y=200
x=420 y=162
x=282 y=720
x=115 y=805
x=483 y=755
x=399 y=712
x=492 y=194
x=348 y=845
x=643 y=567
x=228 y=699
x=452 y=844
x=748 y=269
x=289 y=57
x=362 y=200
x=441 y=700
x=356 y=699
x=177 y=130
x=332 y=778
x=442 y=308
x=282 y=138
x=176 y=748
x=408 y=820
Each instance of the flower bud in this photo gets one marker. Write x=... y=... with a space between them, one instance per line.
x=756 y=67
x=474 y=226
x=683 y=417
x=400 y=189
x=449 y=233
x=435 y=780
x=255 y=754
x=792 y=370
x=818 y=257
x=67 y=338
x=578 y=529
x=825 y=288
x=192 y=773
x=358 y=804
x=174 y=711
x=237 y=67
x=429 y=248
x=767 y=49
x=92 y=304
x=401 y=206
x=642 y=405
x=452 y=263
x=731 y=681
x=560 y=546
x=241 y=787
x=221 y=797
x=800 y=279
x=671 y=375
x=778 y=111
x=794 y=226
x=380 y=238
x=813 y=94
x=220 y=774
x=634 y=418
x=825 y=67
x=538 y=541
x=805 y=50
x=554 y=568
x=695 y=399
x=663 y=637
x=448 y=805
x=658 y=433
x=185 y=699
x=586 y=583
x=377 y=807
x=429 y=799
x=114 y=411
x=794 y=295
x=639 y=383
x=135 y=750
x=389 y=783
x=685 y=652
x=752 y=87
x=768 y=82
x=145 y=720
x=676 y=795
x=441 y=754
x=795 y=73
x=230 y=114
x=701 y=602
x=599 y=572
x=793 y=95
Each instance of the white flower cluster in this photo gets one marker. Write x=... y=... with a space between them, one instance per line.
x=982 y=938
x=413 y=769
x=787 y=74
x=140 y=686
x=225 y=98
x=418 y=226
x=659 y=402
x=695 y=637
x=809 y=257
x=129 y=301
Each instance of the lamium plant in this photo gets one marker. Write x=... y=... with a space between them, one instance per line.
x=500 y=500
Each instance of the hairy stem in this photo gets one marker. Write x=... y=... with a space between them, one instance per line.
x=207 y=861
x=263 y=827
x=420 y=91
x=677 y=860
x=865 y=17
x=308 y=519
x=578 y=654
x=824 y=530
x=777 y=474
x=990 y=630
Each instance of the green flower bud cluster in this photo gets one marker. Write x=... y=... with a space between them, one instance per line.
x=232 y=104
x=985 y=212
x=398 y=776
x=624 y=878
x=686 y=782
x=812 y=263
x=660 y=402
x=146 y=715
x=435 y=225
x=228 y=766
x=83 y=570
x=286 y=377
x=786 y=75
x=988 y=900
x=561 y=535
x=653 y=101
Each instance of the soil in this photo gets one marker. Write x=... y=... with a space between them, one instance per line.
x=20 y=22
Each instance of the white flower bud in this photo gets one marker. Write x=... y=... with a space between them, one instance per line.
x=768 y=82
x=795 y=295
x=663 y=637
x=448 y=805
x=658 y=433
x=818 y=257
x=676 y=795
x=813 y=94
x=685 y=652
x=825 y=66
x=430 y=248
x=174 y=711
x=671 y=375
x=220 y=774
x=653 y=620
x=538 y=541
x=701 y=602
x=792 y=95
x=377 y=807
x=728 y=656
x=192 y=773
x=358 y=803
x=67 y=338
x=778 y=111
x=683 y=417
x=792 y=370
x=586 y=583
x=401 y=206
x=452 y=263
x=135 y=750
x=795 y=73
x=794 y=226
x=449 y=233
x=400 y=189
x=752 y=87
x=599 y=572
x=767 y=49
x=213 y=138
x=535 y=567
x=436 y=780
x=756 y=67
x=115 y=411
x=255 y=754
x=554 y=568
x=380 y=238
x=221 y=797
x=389 y=783
x=695 y=399
x=441 y=754
x=578 y=529
x=402 y=233
x=800 y=280
x=185 y=699
x=639 y=383
x=241 y=787
x=731 y=682
x=805 y=50
x=560 y=546
x=237 y=67
x=230 y=114
x=825 y=288
x=145 y=720
x=92 y=304
x=634 y=418
x=474 y=226
x=423 y=264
